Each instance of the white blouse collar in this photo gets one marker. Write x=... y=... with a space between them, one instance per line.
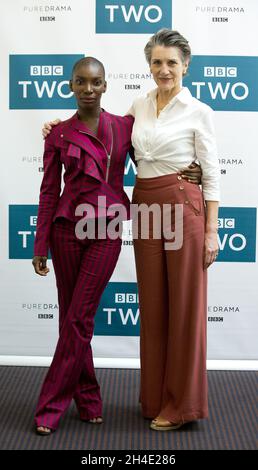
x=184 y=96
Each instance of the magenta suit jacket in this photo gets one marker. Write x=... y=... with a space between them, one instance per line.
x=87 y=176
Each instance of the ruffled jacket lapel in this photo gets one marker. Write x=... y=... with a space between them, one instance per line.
x=84 y=141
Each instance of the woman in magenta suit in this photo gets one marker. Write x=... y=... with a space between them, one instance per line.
x=92 y=146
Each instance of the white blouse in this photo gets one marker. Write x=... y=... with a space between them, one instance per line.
x=182 y=133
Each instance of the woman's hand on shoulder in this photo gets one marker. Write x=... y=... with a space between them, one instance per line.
x=48 y=127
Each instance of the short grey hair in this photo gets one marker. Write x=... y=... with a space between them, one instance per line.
x=168 y=38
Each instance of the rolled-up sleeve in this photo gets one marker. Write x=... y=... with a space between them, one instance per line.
x=206 y=152
x=49 y=196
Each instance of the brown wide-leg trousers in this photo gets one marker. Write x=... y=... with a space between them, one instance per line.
x=173 y=304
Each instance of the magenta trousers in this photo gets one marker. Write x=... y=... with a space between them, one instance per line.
x=83 y=269
x=173 y=305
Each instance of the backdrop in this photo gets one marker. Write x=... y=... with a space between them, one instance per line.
x=40 y=41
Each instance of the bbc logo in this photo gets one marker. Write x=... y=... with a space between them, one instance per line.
x=126 y=298
x=46 y=70
x=226 y=223
x=220 y=72
x=33 y=220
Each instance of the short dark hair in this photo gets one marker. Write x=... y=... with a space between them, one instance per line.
x=86 y=61
x=168 y=38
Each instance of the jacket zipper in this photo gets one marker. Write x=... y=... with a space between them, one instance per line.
x=106 y=152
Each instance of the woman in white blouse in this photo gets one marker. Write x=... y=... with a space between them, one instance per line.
x=172 y=129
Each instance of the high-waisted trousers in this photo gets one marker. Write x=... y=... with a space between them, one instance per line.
x=173 y=305
x=83 y=269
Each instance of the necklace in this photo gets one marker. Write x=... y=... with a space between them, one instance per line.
x=160 y=107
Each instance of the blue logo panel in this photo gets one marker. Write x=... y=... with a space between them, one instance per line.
x=130 y=172
x=237 y=234
x=41 y=81
x=132 y=17
x=118 y=312
x=224 y=83
x=22 y=230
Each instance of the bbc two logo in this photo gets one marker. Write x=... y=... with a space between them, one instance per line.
x=224 y=83
x=41 y=81
x=236 y=238
x=130 y=17
x=237 y=234
x=118 y=311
